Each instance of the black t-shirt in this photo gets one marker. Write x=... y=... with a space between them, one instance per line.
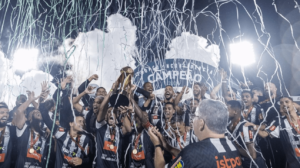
x=6 y=146
x=243 y=135
x=107 y=157
x=290 y=139
x=208 y=153
x=25 y=157
x=144 y=147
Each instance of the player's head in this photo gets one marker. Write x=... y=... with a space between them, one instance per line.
x=247 y=98
x=234 y=108
x=177 y=125
x=257 y=92
x=211 y=119
x=287 y=106
x=4 y=114
x=169 y=92
x=169 y=110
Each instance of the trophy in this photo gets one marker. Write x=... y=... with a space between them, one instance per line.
x=123 y=83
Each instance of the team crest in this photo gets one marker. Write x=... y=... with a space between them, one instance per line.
x=178 y=164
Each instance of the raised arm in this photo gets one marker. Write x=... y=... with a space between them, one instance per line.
x=46 y=118
x=102 y=113
x=83 y=86
x=20 y=119
x=126 y=125
x=224 y=84
x=179 y=96
x=76 y=105
x=159 y=161
x=213 y=93
x=166 y=146
x=137 y=110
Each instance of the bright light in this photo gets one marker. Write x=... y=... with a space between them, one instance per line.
x=242 y=53
x=25 y=59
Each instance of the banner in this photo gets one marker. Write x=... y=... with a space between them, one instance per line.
x=177 y=73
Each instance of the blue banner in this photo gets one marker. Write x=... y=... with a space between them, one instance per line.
x=177 y=73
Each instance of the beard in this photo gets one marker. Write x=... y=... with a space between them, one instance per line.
x=3 y=124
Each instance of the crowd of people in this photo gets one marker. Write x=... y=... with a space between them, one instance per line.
x=128 y=126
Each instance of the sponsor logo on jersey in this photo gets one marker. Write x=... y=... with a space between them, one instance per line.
x=273 y=128
x=178 y=164
x=228 y=162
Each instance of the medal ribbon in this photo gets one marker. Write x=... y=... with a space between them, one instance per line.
x=76 y=142
x=137 y=141
x=293 y=125
x=249 y=111
x=31 y=139
x=2 y=135
x=178 y=140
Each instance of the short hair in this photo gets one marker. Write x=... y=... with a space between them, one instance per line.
x=247 y=91
x=170 y=104
x=176 y=118
x=3 y=105
x=199 y=84
x=170 y=86
x=257 y=89
x=215 y=114
x=77 y=114
x=100 y=88
x=234 y=104
x=48 y=104
x=146 y=83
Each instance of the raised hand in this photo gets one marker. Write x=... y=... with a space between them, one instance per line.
x=31 y=96
x=44 y=86
x=186 y=89
x=123 y=109
x=223 y=74
x=93 y=77
x=89 y=90
x=65 y=81
x=44 y=94
x=154 y=138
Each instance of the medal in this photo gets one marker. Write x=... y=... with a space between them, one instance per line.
x=31 y=150
x=111 y=146
x=134 y=151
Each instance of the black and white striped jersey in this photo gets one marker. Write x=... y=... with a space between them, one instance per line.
x=290 y=139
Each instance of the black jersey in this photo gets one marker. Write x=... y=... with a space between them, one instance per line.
x=208 y=153
x=290 y=139
x=6 y=146
x=31 y=147
x=109 y=147
x=242 y=135
x=138 y=150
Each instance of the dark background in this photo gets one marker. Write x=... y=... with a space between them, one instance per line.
x=45 y=24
